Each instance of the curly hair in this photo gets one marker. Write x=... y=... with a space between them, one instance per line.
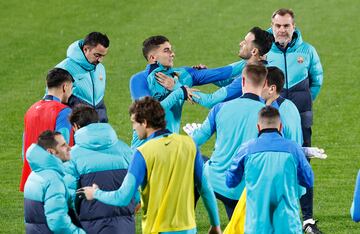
x=150 y=110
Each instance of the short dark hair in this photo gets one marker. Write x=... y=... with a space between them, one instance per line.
x=151 y=43
x=263 y=40
x=83 y=115
x=275 y=77
x=255 y=73
x=282 y=12
x=95 y=38
x=269 y=115
x=150 y=110
x=56 y=77
x=47 y=139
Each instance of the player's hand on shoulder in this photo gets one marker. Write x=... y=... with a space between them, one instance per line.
x=166 y=81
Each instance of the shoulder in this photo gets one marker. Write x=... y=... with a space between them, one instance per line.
x=139 y=77
x=53 y=180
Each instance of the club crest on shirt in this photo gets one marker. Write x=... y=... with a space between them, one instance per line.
x=100 y=77
x=300 y=59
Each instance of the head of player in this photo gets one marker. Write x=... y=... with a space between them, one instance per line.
x=83 y=115
x=95 y=47
x=147 y=116
x=283 y=26
x=158 y=49
x=55 y=144
x=269 y=118
x=253 y=78
x=59 y=84
x=256 y=44
x=273 y=85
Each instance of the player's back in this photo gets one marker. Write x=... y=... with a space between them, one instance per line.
x=236 y=122
x=169 y=189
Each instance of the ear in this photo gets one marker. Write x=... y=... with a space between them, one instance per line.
x=152 y=58
x=258 y=127
x=50 y=151
x=145 y=123
x=64 y=86
x=243 y=81
x=265 y=83
x=254 y=51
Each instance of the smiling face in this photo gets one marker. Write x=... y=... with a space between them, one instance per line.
x=95 y=55
x=163 y=54
x=283 y=28
x=62 y=149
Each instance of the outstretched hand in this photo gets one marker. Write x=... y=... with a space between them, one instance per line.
x=87 y=192
x=190 y=128
x=314 y=152
x=191 y=94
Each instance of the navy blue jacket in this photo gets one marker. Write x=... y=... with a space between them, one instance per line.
x=99 y=157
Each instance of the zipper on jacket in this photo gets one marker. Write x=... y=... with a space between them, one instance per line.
x=286 y=74
x=93 y=86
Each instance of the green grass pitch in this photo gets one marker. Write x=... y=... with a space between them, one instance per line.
x=35 y=36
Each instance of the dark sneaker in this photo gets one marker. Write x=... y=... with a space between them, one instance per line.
x=311 y=229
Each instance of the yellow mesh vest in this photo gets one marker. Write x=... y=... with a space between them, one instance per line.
x=168 y=197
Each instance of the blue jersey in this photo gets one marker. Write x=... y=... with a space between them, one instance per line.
x=290 y=119
x=355 y=207
x=144 y=84
x=234 y=123
x=273 y=168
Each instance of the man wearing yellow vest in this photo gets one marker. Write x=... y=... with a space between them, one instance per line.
x=167 y=167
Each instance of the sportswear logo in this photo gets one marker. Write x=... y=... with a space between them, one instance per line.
x=300 y=59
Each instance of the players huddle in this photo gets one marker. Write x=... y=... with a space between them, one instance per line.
x=261 y=114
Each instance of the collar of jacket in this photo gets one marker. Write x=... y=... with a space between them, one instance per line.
x=39 y=159
x=96 y=136
x=274 y=131
x=75 y=53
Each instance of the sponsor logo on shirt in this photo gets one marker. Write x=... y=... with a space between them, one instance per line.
x=300 y=59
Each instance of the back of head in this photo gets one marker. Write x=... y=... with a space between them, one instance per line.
x=151 y=43
x=95 y=38
x=83 y=115
x=150 y=110
x=56 y=77
x=269 y=117
x=47 y=139
x=275 y=77
x=255 y=74
x=263 y=40
x=282 y=12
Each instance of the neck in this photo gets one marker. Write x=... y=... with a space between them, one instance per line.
x=256 y=91
x=55 y=93
x=271 y=99
x=254 y=59
x=150 y=131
